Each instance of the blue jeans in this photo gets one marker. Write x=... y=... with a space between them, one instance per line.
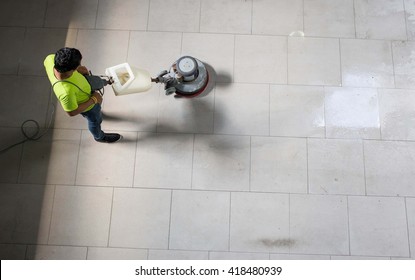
x=94 y=118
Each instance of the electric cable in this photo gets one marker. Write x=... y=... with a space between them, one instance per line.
x=35 y=136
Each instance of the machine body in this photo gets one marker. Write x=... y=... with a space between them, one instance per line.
x=187 y=77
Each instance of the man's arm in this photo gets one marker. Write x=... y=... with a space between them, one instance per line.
x=83 y=70
x=82 y=106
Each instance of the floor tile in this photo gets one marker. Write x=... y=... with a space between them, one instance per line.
x=100 y=253
x=71 y=13
x=260 y=59
x=221 y=162
x=186 y=15
x=242 y=109
x=335 y=166
x=218 y=16
x=61 y=119
x=396 y=111
x=43 y=252
x=51 y=160
x=140 y=218
x=153 y=51
x=186 y=115
x=277 y=17
x=378 y=226
x=278 y=165
x=404 y=64
x=366 y=63
x=260 y=223
x=10 y=159
x=297 y=111
x=177 y=255
x=112 y=50
x=384 y=19
x=42 y=42
x=164 y=161
x=11 y=49
x=106 y=164
x=131 y=112
x=298 y=257
x=318 y=224
x=121 y=14
x=81 y=216
x=12 y=252
x=36 y=94
x=22 y=13
x=26 y=213
x=328 y=18
x=200 y=220
x=205 y=48
x=410 y=213
x=352 y=113
x=398 y=158
x=313 y=61
x=237 y=256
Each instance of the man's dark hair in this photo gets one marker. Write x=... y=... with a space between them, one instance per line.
x=67 y=59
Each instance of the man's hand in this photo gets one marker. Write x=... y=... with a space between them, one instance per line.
x=97 y=96
x=83 y=70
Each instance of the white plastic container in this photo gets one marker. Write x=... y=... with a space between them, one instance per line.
x=128 y=79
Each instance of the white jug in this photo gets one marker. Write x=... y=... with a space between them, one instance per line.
x=128 y=79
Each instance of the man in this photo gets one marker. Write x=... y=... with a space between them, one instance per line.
x=66 y=74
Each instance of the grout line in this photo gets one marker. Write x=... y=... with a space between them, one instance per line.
x=325 y=112
x=87 y=252
x=341 y=64
x=287 y=58
x=96 y=15
x=303 y=17
x=289 y=222
x=269 y=110
x=308 y=166
x=193 y=162
x=354 y=19
x=234 y=60
x=148 y=15
x=79 y=155
x=45 y=13
x=364 y=165
x=135 y=157
x=112 y=207
x=393 y=64
x=26 y=251
x=250 y=164
x=230 y=221
x=406 y=20
x=51 y=214
x=170 y=219
x=128 y=45
x=379 y=115
x=252 y=17
x=200 y=15
x=348 y=223
x=407 y=228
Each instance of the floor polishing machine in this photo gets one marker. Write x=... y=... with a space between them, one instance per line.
x=187 y=77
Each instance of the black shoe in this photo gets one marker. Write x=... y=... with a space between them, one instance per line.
x=110 y=138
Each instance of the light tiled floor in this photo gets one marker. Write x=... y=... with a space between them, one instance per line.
x=302 y=148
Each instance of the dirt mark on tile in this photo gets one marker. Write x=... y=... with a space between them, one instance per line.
x=282 y=242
